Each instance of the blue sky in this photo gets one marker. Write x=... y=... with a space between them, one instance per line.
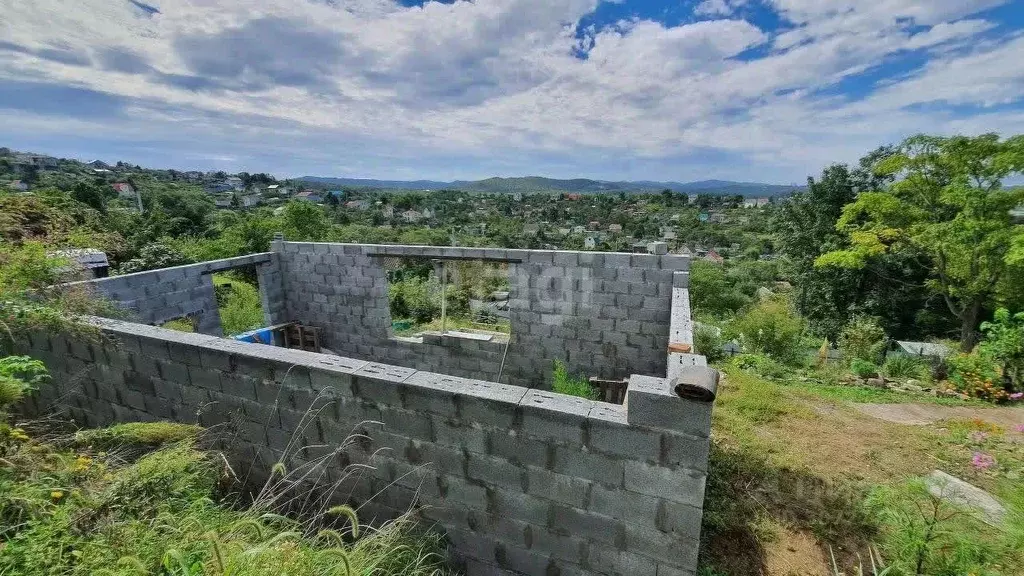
x=762 y=90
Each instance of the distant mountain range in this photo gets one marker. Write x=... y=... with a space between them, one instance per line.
x=535 y=184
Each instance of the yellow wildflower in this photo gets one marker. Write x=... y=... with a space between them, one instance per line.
x=56 y=494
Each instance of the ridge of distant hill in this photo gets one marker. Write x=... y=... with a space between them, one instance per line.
x=535 y=184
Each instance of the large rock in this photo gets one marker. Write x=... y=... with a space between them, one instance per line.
x=956 y=491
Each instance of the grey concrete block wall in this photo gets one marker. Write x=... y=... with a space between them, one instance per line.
x=522 y=481
x=158 y=296
x=603 y=314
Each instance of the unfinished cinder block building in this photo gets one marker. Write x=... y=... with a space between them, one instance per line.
x=464 y=429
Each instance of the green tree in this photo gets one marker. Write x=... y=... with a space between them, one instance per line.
x=153 y=256
x=889 y=287
x=948 y=206
x=305 y=222
x=91 y=195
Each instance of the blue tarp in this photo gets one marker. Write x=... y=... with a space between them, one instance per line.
x=257 y=336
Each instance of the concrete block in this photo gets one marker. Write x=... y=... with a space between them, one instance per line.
x=203 y=378
x=610 y=433
x=496 y=472
x=681 y=450
x=607 y=560
x=458 y=491
x=557 y=487
x=522 y=561
x=572 y=461
x=518 y=506
x=680 y=485
x=455 y=433
x=447 y=461
x=629 y=507
x=407 y=423
x=682 y=520
x=580 y=523
x=555 y=416
x=667 y=550
x=652 y=402
x=519 y=449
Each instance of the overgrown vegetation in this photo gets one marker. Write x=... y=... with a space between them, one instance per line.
x=144 y=498
x=565 y=383
x=239 y=304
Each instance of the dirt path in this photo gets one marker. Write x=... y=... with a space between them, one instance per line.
x=922 y=414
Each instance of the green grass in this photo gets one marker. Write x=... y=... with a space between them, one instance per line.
x=454 y=323
x=136 y=433
x=180 y=325
x=240 y=308
x=565 y=383
x=85 y=512
x=870 y=395
x=782 y=461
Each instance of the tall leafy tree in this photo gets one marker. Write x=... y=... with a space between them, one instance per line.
x=890 y=287
x=947 y=205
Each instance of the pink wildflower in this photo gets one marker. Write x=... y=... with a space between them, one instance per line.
x=982 y=461
x=1016 y=396
x=1019 y=428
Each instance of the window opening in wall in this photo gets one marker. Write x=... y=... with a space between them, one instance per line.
x=455 y=297
x=238 y=300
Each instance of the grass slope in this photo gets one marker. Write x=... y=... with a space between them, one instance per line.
x=797 y=475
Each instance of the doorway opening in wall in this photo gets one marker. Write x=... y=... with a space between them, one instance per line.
x=454 y=297
x=238 y=300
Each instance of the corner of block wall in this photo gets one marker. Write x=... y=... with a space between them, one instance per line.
x=671 y=404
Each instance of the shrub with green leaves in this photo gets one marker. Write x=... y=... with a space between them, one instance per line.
x=1004 y=343
x=414 y=298
x=240 y=307
x=863 y=368
x=565 y=383
x=904 y=366
x=92 y=514
x=761 y=365
x=771 y=327
x=862 y=338
x=708 y=341
x=19 y=375
x=977 y=375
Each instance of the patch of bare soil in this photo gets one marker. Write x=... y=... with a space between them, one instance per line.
x=795 y=554
x=924 y=414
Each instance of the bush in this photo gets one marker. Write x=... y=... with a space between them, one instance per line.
x=708 y=341
x=136 y=433
x=863 y=368
x=773 y=328
x=905 y=367
x=1004 y=343
x=413 y=298
x=862 y=338
x=978 y=376
x=153 y=256
x=564 y=383
x=19 y=375
x=761 y=365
